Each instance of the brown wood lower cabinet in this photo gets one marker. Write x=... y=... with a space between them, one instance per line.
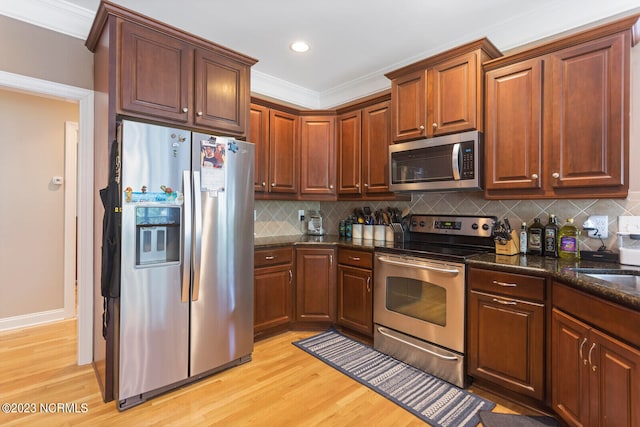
x=273 y=289
x=315 y=285
x=355 y=290
x=596 y=378
x=506 y=321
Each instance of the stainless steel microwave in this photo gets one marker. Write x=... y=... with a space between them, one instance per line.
x=444 y=163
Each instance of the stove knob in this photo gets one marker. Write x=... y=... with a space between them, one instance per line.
x=485 y=227
x=414 y=224
x=474 y=226
x=422 y=224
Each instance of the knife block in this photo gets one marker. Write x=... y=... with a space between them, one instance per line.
x=512 y=247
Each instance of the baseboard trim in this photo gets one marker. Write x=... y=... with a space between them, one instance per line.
x=31 y=319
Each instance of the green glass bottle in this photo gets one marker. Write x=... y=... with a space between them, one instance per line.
x=569 y=241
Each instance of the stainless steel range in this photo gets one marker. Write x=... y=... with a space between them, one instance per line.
x=419 y=292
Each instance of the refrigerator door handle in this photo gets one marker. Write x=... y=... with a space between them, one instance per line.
x=197 y=218
x=186 y=247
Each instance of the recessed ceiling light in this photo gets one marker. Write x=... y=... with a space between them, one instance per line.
x=299 y=46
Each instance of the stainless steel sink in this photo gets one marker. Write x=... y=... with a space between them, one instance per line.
x=627 y=280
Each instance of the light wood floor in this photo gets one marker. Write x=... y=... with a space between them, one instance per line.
x=282 y=386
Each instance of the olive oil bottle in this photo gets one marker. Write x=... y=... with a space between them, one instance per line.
x=569 y=241
x=535 y=238
x=551 y=237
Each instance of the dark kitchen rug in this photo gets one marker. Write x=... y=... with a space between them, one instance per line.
x=431 y=399
x=494 y=419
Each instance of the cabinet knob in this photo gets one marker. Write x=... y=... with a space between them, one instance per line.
x=534 y=176
x=555 y=175
x=199 y=113
x=366 y=185
x=421 y=127
x=264 y=184
x=435 y=125
x=185 y=110
x=330 y=187
x=357 y=185
x=273 y=184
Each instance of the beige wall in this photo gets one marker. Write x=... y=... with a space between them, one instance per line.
x=44 y=54
x=32 y=214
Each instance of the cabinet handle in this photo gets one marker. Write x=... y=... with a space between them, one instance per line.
x=435 y=125
x=185 y=110
x=593 y=367
x=357 y=185
x=366 y=185
x=555 y=175
x=354 y=258
x=264 y=184
x=500 y=301
x=270 y=257
x=273 y=184
x=369 y=284
x=584 y=341
x=290 y=277
x=331 y=187
x=504 y=284
x=534 y=176
x=199 y=113
x=421 y=127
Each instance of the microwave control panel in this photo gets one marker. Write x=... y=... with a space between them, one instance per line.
x=467 y=169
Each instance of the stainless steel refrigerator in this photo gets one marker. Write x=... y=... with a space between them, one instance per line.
x=186 y=299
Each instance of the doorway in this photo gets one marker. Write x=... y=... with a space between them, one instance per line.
x=85 y=196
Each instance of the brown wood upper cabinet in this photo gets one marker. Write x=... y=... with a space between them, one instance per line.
x=275 y=133
x=318 y=156
x=557 y=118
x=441 y=94
x=167 y=75
x=364 y=136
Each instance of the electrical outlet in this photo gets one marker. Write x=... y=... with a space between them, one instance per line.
x=300 y=214
x=600 y=225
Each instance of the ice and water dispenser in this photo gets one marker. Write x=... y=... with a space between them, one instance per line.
x=157 y=235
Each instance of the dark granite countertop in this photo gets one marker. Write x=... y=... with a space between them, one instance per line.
x=328 y=239
x=558 y=269
x=571 y=273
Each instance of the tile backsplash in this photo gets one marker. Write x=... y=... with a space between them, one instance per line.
x=275 y=218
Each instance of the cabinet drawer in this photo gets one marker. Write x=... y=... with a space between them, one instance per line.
x=355 y=258
x=275 y=256
x=510 y=284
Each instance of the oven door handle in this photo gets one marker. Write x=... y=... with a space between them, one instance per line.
x=383 y=331
x=424 y=267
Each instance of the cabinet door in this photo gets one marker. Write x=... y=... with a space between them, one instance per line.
x=409 y=106
x=349 y=154
x=258 y=134
x=355 y=302
x=156 y=74
x=273 y=297
x=506 y=342
x=513 y=125
x=570 y=370
x=315 y=285
x=615 y=382
x=283 y=152
x=317 y=155
x=221 y=93
x=589 y=114
x=454 y=95
x=376 y=138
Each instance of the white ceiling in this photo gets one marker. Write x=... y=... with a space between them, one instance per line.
x=353 y=42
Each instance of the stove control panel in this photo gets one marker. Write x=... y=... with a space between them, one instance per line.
x=479 y=226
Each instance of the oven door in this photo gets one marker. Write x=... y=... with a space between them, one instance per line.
x=421 y=298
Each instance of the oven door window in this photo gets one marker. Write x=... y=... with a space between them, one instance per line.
x=417 y=299
x=422 y=165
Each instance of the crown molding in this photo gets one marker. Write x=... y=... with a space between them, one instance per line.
x=56 y=15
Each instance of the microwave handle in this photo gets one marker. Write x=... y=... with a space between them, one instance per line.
x=455 y=163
